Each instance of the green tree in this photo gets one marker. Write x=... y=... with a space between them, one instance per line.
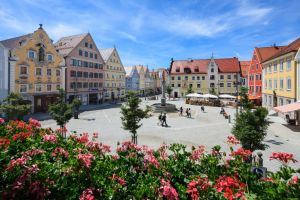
x=190 y=90
x=61 y=111
x=212 y=91
x=245 y=102
x=251 y=126
x=169 y=90
x=15 y=107
x=132 y=115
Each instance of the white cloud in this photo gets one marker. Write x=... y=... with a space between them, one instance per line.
x=128 y=36
x=61 y=30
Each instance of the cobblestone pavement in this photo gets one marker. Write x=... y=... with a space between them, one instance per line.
x=208 y=128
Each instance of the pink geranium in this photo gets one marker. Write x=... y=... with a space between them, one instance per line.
x=17 y=162
x=50 y=138
x=34 y=122
x=60 y=151
x=283 y=157
x=196 y=187
x=244 y=153
x=86 y=159
x=231 y=140
x=197 y=153
x=87 y=195
x=231 y=187
x=167 y=191
x=2 y=120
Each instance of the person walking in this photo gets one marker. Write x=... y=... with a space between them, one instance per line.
x=164 y=120
x=190 y=113
x=187 y=112
x=159 y=123
x=202 y=108
x=181 y=111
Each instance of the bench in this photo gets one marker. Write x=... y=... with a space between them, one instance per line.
x=225 y=115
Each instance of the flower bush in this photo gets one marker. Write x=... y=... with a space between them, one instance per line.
x=37 y=163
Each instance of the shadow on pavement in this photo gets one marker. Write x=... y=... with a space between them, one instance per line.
x=274 y=142
x=292 y=127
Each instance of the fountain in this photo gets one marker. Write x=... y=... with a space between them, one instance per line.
x=163 y=106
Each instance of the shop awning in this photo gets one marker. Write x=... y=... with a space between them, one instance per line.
x=288 y=108
x=254 y=97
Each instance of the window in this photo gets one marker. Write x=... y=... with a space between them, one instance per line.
x=203 y=78
x=212 y=85
x=265 y=68
x=38 y=71
x=100 y=75
x=95 y=75
x=221 y=77
x=281 y=65
x=177 y=69
x=73 y=73
x=275 y=83
x=186 y=78
x=275 y=66
x=212 y=77
x=91 y=46
x=270 y=84
x=228 y=84
x=85 y=64
x=281 y=84
x=91 y=55
x=49 y=87
x=196 y=69
x=86 y=54
x=179 y=85
x=228 y=76
x=79 y=74
x=85 y=85
x=48 y=72
x=23 y=70
x=256 y=66
x=256 y=77
x=288 y=65
x=23 y=88
x=95 y=85
x=221 y=84
x=38 y=88
x=91 y=65
x=90 y=75
x=234 y=76
x=265 y=98
x=266 y=85
x=172 y=85
x=288 y=83
x=80 y=52
x=193 y=78
x=86 y=44
x=198 y=85
x=49 y=57
x=57 y=72
x=173 y=78
x=270 y=69
x=281 y=101
x=198 y=78
x=85 y=74
x=178 y=78
x=288 y=101
x=31 y=54
x=256 y=89
x=57 y=87
x=212 y=70
x=270 y=100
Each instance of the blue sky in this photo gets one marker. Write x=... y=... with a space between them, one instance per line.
x=151 y=32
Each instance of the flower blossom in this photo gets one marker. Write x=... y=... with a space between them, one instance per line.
x=4 y=142
x=166 y=190
x=267 y=180
x=95 y=135
x=21 y=136
x=34 y=122
x=283 y=157
x=120 y=180
x=101 y=148
x=60 y=151
x=37 y=190
x=231 y=187
x=33 y=152
x=244 y=153
x=194 y=186
x=86 y=159
x=197 y=153
x=151 y=160
x=2 y=120
x=128 y=145
x=294 y=180
x=50 y=138
x=231 y=140
x=84 y=138
x=17 y=162
x=87 y=195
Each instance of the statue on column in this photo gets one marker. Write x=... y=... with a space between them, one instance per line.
x=162 y=77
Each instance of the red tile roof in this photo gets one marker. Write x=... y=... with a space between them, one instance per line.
x=191 y=64
x=226 y=65
x=245 y=65
x=65 y=45
x=293 y=46
x=265 y=53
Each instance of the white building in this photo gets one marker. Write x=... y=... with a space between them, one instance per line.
x=4 y=75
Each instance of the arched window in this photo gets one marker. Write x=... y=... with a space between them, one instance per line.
x=41 y=54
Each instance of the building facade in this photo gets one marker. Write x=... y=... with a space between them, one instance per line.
x=216 y=76
x=4 y=55
x=245 y=65
x=297 y=58
x=142 y=79
x=84 y=68
x=255 y=71
x=114 y=74
x=279 y=77
x=132 y=79
x=34 y=68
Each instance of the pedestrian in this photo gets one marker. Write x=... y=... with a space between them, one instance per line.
x=190 y=113
x=202 y=108
x=181 y=111
x=187 y=112
x=159 y=123
x=164 y=120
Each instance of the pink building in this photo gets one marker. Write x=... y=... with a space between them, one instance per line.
x=84 y=68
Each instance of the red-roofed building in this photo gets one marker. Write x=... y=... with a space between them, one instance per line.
x=245 y=65
x=255 y=71
x=204 y=76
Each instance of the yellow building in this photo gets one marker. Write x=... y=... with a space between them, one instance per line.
x=35 y=68
x=279 y=77
x=142 y=81
x=204 y=76
x=114 y=74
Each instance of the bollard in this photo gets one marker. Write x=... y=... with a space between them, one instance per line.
x=229 y=119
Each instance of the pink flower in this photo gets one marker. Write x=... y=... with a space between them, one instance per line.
x=195 y=187
x=232 y=140
x=50 y=138
x=268 y=179
x=34 y=122
x=128 y=146
x=294 y=180
x=60 y=151
x=151 y=160
x=283 y=157
x=17 y=162
x=95 y=135
x=86 y=159
x=101 y=148
x=4 y=142
x=230 y=185
x=84 y=138
x=120 y=180
x=33 y=152
x=197 y=153
x=166 y=190
x=244 y=153
x=2 y=120
x=38 y=191
x=87 y=195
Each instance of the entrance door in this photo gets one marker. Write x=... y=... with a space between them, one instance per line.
x=175 y=95
x=93 y=98
x=38 y=104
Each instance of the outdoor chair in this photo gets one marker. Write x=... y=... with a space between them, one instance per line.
x=289 y=120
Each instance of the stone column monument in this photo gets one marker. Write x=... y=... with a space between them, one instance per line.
x=163 y=88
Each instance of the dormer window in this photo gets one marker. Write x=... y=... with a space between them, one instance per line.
x=177 y=69
x=187 y=70
x=196 y=69
x=86 y=44
x=91 y=46
x=41 y=54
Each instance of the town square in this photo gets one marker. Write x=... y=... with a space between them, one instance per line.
x=161 y=100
